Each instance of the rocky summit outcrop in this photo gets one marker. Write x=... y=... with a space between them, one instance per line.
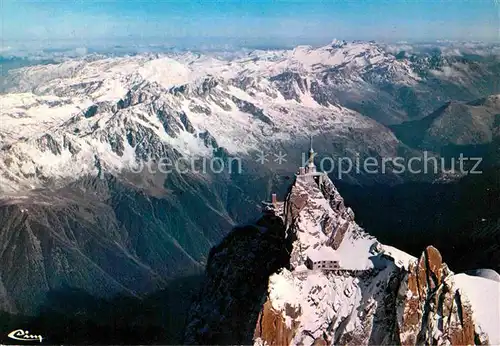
x=323 y=280
x=432 y=310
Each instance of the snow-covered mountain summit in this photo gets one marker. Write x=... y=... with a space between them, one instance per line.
x=59 y=120
x=119 y=111
x=338 y=286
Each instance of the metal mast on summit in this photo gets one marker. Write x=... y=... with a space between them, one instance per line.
x=311 y=167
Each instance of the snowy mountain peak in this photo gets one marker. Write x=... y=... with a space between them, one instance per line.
x=126 y=110
x=121 y=111
x=338 y=43
x=339 y=285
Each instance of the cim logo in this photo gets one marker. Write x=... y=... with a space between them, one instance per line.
x=24 y=335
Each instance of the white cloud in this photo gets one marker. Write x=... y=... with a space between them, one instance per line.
x=81 y=51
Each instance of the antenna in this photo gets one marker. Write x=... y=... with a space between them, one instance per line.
x=310 y=166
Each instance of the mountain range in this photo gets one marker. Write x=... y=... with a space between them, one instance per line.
x=85 y=206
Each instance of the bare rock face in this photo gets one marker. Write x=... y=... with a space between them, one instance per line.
x=272 y=328
x=338 y=235
x=419 y=284
x=432 y=310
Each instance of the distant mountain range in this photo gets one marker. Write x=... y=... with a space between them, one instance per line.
x=77 y=210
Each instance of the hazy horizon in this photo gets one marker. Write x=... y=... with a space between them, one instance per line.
x=273 y=24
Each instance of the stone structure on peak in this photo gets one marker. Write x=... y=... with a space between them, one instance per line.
x=313 y=188
x=311 y=167
x=307 y=274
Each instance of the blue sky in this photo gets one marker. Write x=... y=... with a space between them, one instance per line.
x=269 y=22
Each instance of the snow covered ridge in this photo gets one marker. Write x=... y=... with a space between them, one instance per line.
x=354 y=304
x=360 y=292
x=61 y=121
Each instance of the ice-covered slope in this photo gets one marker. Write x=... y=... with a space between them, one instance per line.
x=483 y=295
x=42 y=144
x=64 y=118
x=376 y=294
